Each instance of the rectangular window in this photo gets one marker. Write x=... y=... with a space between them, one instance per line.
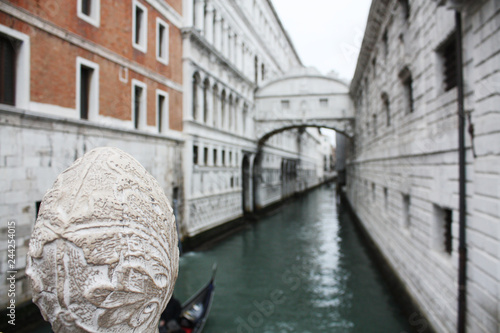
x=162 y=41
x=442 y=234
x=375 y=125
x=215 y=157
x=90 y=11
x=87 y=89
x=195 y=155
x=406 y=210
x=223 y=157
x=386 y=198
x=14 y=67
x=7 y=70
x=138 y=104
x=285 y=104
x=162 y=113
x=323 y=102
x=205 y=156
x=230 y=158
x=139 y=26
x=448 y=55
x=85 y=77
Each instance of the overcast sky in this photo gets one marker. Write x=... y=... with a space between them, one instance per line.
x=327 y=34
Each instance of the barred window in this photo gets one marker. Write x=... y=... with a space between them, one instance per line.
x=448 y=54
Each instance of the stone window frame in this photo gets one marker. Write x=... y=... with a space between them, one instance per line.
x=406 y=79
x=139 y=42
x=94 y=17
x=142 y=121
x=442 y=235
x=94 y=90
x=162 y=41
x=163 y=119
x=23 y=68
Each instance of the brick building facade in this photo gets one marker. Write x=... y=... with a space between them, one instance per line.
x=76 y=75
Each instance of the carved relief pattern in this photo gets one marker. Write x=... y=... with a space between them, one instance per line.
x=103 y=255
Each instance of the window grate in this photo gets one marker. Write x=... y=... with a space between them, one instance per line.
x=448 y=53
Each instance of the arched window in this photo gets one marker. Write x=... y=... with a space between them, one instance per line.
x=215 y=106
x=245 y=114
x=256 y=70
x=223 y=109
x=387 y=108
x=206 y=88
x=407 y=82
x=230 y=113
x=196 y=102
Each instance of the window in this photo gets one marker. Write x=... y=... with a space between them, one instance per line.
x=405 y=8
x=195 y=155
x=256 y=70
x=406 y=210
x=139 y=26
x=375 y=125
x=196 y=104
x=263 y=70
x=406 y=80
x=7 y=70
x=90 y=11
x=323 y=102
x=386 y=198
x=385 y=42
x=387 y=109
x=231 y=181
x=442 y=235
x=285 y=104
x=162 y=111
x=448 y=56
x=162 y=43
x=215 y=157
x=230 y=158
x=374 y=193
x=87 y=85
x=205 y=156
x=138 y=104
x=206 y=88
x=14 y=67
x=223 y=157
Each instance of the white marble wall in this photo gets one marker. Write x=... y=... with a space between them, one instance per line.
x=415 y=157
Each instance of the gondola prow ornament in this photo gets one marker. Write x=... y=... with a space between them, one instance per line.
x=103 y=254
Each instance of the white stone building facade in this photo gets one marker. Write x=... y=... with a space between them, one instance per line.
x=402 y=169
x=231 y=48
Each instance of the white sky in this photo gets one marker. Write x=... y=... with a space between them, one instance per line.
x=327 y=34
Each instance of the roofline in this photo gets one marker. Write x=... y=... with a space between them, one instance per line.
x=291 y=77
x=372 y=31
x=285 y=32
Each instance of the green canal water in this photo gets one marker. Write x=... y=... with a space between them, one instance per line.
x=302 y=269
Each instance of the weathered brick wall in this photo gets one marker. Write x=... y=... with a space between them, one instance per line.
x=415 y=157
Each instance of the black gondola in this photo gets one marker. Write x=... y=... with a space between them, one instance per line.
x=195 y=310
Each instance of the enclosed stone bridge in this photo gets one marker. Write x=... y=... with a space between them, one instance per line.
x=303 y=98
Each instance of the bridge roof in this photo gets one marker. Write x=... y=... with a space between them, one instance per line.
x=303 y=81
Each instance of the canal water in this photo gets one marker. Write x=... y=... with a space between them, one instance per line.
x=302 y=269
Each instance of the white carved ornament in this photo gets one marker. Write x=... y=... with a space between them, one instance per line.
x=103 y=254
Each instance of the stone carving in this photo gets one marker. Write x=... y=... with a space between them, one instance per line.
x=103 y=254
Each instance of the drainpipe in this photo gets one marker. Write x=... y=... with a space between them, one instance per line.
x=462 y=247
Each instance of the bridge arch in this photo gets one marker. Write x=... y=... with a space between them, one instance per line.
x=303 y=98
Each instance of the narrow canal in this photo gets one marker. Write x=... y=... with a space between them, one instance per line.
x=303 y=269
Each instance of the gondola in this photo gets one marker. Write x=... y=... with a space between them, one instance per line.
x=195 y=310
